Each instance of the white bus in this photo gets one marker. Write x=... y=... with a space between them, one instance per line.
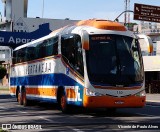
x=92 y=64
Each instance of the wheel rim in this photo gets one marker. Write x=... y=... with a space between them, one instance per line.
x=63 y=102
x=24 y=98
x=19 y=97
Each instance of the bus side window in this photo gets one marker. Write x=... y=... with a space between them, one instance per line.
x=78 y=55
x=72 y=52
x=20 y=56
x=38 y=50
x=47 y=48
x=30 y=53
x=51 y=47
x=67 y=49
x=42 y=49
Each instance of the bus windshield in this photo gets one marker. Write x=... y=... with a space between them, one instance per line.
x=114 y=60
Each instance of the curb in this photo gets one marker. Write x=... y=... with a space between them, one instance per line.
x=153 y=103
x=3 y=92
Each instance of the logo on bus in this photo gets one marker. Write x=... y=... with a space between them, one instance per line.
x=78 y=97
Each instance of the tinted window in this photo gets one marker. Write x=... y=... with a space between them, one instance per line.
x=72 y=52
x=42 y=49
x=114 y=59
x=47 y=48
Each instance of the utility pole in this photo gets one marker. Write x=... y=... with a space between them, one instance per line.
x=42 y=8
x=127 y=14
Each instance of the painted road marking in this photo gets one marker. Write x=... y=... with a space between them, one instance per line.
x=153 y=105
x=144 y=114
x=41 y=117
x=1 y=107
x=77 y=130
x=21 y=111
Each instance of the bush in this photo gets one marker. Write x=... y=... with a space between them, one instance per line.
x=3 y=72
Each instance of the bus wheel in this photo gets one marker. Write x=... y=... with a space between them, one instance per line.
x=19 y=98
x=24 y=99
x=63 y=103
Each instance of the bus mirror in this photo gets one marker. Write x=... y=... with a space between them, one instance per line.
x=146 y=40
x=85 y=40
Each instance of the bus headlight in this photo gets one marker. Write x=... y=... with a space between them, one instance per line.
x=91 y=93
x=140 y=94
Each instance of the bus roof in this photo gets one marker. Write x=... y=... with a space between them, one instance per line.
x=102 y=24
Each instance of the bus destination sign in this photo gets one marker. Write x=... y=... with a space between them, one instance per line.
x=146 y=12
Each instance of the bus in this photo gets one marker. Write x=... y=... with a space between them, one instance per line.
x=92 y=64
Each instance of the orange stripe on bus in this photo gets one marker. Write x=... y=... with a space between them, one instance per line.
x=70 y=93
x=42 y=91
x=12 y=90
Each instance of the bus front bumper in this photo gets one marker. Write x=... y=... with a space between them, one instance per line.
x=113 y=102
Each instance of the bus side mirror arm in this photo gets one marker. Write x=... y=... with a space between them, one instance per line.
x=85 y=40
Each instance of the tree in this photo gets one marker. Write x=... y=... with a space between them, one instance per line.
x=3 y=72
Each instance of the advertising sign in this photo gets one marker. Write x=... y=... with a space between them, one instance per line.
x=14 y=39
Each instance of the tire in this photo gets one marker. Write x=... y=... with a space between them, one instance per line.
x=63 y=103
x=24 y=99
x=19 y=98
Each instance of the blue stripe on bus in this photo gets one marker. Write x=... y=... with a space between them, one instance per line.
x=44 y=79
x=50 y=100
x=43 y=99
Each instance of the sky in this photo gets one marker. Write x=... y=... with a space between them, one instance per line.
x=80 y=9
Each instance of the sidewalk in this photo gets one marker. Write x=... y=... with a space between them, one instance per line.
x=153 y=99
x=4 y=90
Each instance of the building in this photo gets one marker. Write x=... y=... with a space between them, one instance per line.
x=15 y=20
x=151 y=60
x=5 y=60
x=150 y=29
